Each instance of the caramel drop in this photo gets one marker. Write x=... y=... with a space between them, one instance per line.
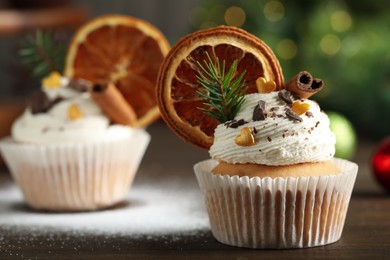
x=74 y=112
x=300 y=108
x=245 y=138
x=264 y=86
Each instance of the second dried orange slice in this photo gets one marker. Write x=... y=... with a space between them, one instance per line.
x=177 y=84
x=122 y=50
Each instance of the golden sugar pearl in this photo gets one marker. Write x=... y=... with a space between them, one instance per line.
x=300 y=108
x=264 y=86
x=74 y=112
x=52 y=81
x=245 y=138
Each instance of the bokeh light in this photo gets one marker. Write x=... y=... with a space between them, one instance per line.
x=274 y=11
x=330 y=44
x=235 y=16
x=286 y=49
x=340 y=21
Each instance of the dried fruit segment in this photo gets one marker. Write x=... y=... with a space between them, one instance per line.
x=124 y=51
x=177 y=83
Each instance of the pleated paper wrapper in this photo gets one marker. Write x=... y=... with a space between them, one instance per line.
x=75 y=177
x=277 y=213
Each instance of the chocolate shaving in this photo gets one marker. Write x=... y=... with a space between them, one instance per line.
x=80 y=85
x=292 y=115
x=309 y=114
x=45 y=129
x=38 y=102
x=304 y=85
x=285 y=96
x=259 y=111
x=254 y=130
x=234 y=123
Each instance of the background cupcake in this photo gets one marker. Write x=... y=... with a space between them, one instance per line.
x=274 y=183
x=65 y=155
x=79 y=143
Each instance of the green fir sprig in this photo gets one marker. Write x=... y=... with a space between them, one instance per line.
x=222 y=94
x=42 y=53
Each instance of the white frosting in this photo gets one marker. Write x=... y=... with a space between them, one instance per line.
x=279 y=140
x=54 y=126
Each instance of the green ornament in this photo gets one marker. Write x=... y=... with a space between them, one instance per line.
x=346 y=138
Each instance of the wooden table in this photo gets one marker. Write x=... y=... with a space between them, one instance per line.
x=366 y=234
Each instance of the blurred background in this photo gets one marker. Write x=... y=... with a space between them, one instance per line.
x=346 y=43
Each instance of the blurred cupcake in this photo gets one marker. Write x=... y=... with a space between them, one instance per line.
x=272 y=181
x=65 y=155
x=80 y=141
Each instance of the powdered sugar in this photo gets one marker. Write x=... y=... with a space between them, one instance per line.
x=150 y=209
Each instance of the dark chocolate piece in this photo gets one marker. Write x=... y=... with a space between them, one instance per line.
x=234 y=123
x=309 y=114
x=285 y=96
x=38 y=102
x=292 y=115
x=80 y=85
x=259 y=111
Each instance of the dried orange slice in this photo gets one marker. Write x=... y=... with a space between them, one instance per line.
x=177 y=83
x=122 y=50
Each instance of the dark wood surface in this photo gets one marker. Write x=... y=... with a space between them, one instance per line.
x=366 y=233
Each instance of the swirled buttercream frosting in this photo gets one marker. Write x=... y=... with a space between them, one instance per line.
x=64 y=113
x=285 y=130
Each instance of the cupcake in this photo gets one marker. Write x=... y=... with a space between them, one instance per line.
x=273 y=181
x=66 y=156
x=81 y=139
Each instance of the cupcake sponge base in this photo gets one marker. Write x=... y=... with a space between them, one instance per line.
x=277 y=213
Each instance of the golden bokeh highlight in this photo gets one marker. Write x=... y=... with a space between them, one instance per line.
x=286 y=49
x=274 y=11
x=235 y=16
x=340 y=21
x=330 y=44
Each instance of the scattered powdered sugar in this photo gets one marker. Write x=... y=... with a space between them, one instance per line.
x=150 y=209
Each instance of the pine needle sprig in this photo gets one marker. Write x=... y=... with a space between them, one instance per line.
x=42 y=53
x=221 y=93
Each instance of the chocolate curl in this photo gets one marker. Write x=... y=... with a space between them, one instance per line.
x=304 y=85
x=113 y=104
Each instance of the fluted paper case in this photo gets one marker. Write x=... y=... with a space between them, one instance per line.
x=75 y=177
x=277 y=212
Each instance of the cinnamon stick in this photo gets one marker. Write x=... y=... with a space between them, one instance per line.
x=304 y=85
x=113 y=104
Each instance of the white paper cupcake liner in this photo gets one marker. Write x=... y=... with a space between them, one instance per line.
x=277 y=213
x=72 y=177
